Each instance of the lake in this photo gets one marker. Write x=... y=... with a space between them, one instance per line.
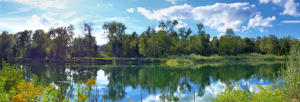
x=156 y=83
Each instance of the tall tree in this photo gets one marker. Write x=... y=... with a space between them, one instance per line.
x=23 y=43
x=249 y=45
x=39 y=44
x=284 y=46
x=62 y=40
x=214 y=45
x=269 y=45
x=90 y=41
x=115 y=36
x=6 y=45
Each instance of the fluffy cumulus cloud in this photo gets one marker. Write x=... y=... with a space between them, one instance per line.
x=130 y=10
x=222 y=16
x=171 y=13
x=43 y=4
x=43 y=21
x=259 y=21
x=290 y=6
x=219 y=16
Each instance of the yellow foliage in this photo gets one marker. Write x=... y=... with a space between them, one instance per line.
x=82 y=97
x=51 y=86
x=90 y=82
x=85 y=88
x=27 y=91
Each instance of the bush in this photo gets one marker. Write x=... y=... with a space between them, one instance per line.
x=266 y=94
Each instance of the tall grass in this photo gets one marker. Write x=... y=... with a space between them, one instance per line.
x=288 y=92
x=291 y=75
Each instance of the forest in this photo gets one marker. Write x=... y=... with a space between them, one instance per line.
x=60 y=43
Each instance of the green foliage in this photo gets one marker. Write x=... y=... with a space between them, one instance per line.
x=288 y=92
x=51 y=94
x=85 y=46
x=291 y=75
x=59 y=44
x=13 y=88
x=179 y=62
x=11 y=76
x=7 y=46
x=265 y=94
x=4 y=95
x=116 y=32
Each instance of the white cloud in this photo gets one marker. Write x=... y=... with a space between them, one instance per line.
x=100 y=37
x=272 y=1
x=181 y=24
x=219 y=16
x=222 y=16
x=118 y=19
x=29 y=23
x=221 y=34
x=264 y=1
x=259 y=21
x=172 y=1
x=261 y=30
x=19 y=10
x=44 y=21
x=290 y=21
x=158 y=28
x=171 y=13
x=43 y=4
x=130 y=10
x=290 y=6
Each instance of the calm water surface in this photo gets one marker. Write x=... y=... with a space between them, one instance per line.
x=157 y=83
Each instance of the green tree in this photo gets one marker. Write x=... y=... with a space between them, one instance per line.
x=89 y=40
x=23 y=43
x=257 y=44
x=39 y=45
x=284 y=46
x=214 y=45
x=7 y=42
x=115 y=33
x=62 y=37
x=269 y=45
x=249 y=45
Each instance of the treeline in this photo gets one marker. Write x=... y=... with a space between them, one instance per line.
x=59 y=43
x=168 y=41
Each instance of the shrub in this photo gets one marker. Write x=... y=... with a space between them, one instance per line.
x=266 y=94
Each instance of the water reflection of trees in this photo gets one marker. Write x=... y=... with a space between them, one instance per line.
x=152 y=77
x=64 y=76
x=167 y=80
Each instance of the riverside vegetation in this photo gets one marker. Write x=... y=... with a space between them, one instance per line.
x=60 y=43
x=289 y=91
x=175 y=48
x=13 y=88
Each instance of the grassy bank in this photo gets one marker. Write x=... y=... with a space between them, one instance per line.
x=197 y=59
x=184 y=60
x=288 y=91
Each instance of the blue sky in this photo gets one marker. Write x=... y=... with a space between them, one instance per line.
x=249 y=18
